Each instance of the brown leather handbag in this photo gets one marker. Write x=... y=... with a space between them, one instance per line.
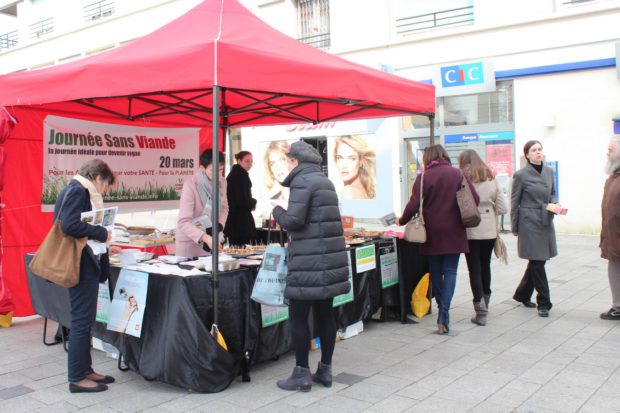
x=415 y=231
x=470 y=216
x=58 y=257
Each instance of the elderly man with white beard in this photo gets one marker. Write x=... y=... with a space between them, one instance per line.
x=610 y=230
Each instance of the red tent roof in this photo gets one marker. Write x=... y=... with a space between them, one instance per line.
x=267 y=77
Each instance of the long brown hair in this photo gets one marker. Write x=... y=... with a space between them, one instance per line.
x=434 y=153
x=472 y=165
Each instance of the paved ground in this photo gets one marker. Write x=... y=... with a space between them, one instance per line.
x=518 y=362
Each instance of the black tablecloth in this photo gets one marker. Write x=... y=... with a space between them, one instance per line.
x=176 y=346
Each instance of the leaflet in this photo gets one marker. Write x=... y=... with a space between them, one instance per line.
x=103 y=217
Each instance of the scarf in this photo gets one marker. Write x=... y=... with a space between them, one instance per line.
x=95 y=197
x=205 y=192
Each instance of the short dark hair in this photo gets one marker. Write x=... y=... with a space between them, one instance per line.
x=242 y=155
x=435 y=153
x=528 y=145
x=206 y=158
x=97 y=168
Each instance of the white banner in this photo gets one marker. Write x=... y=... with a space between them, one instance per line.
x=150 y=164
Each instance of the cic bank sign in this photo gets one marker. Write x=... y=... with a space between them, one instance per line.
x=464 y=79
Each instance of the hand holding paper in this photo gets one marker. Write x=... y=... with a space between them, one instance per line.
x=557 y=209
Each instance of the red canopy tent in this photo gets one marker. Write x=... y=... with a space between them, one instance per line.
x=217 y=66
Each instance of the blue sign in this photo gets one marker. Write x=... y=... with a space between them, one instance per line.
x=488 y=136
x=616 y=125
x=464 y=78
x=461 y=75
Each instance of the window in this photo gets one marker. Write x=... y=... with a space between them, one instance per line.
x=483 y=108
x=313 y=22
x=415 y=15
x=98 y=9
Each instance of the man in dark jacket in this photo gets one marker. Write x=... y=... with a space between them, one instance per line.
x=317 y=262
x=610 y=238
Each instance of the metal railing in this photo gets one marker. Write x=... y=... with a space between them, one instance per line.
x=320 y=41
x=8 y=40
x=98 y=10
x=407 y=25
x=41 y=28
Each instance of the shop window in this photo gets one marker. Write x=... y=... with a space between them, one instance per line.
x=417 y=122
x=313 y=23
x=483 y=108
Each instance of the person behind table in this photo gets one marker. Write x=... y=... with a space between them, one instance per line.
x=533 y=188
x=85 y=193
x=446 y=236
x=240 y=228
x=481 y=239
x=318 y=266
x=610 y=238
x=356 y=162
x=195 y=222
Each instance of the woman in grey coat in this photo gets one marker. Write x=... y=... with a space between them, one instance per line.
x=533 y=188
x=318 y=267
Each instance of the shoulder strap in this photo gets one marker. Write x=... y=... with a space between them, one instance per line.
x=421 y=193
x=62 y=204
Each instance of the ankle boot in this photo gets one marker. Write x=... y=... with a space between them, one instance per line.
x=299 y=380
x=481 y=314
x=486 y=298
x=323 y=375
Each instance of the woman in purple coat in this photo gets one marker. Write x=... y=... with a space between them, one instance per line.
x=446 y=238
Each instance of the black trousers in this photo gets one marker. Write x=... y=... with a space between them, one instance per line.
x=535 y=277
x=298 y=312
x=479 y=266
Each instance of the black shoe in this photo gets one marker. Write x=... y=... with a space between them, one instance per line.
x=103 y=380
x=543 y=312
x=74 y=388
x=527 y=303
x=612 y=314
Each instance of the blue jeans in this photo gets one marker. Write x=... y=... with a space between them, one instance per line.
x=83 y=298
x=443 y=281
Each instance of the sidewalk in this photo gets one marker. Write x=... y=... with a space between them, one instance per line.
x=519 y=362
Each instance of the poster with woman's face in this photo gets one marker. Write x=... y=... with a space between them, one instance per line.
x=273 y=169
x=355 y=171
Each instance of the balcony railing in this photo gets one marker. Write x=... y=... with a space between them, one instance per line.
x=320 y=41
x=98 y=10
x=408 y=25
x=8 y=40
x=41 y=28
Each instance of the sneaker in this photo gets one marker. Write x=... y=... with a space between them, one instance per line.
x=543 y=312
x=612 y=314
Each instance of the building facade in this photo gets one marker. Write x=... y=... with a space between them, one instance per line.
x=506 y=72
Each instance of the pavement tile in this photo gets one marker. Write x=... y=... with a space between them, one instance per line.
x=15 y=391
x=393 y=404
x=340 y=403
x=437 y=404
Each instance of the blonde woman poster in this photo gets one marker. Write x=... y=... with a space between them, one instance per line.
x=273 y=169
x=355 y=159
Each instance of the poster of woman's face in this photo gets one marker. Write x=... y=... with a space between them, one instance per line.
x=274 y=168
x=355 y=160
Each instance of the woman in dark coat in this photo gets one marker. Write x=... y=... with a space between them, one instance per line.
x=446 y=236
x=318 y=267
x=84 y=193
x=533 y=188
x=240 y=228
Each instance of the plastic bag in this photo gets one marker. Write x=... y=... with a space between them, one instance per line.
x=420 y=304
x=271 y=280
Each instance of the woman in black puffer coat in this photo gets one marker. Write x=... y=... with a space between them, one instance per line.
x=318 y=267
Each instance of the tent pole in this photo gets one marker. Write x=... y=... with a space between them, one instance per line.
x=216 y=200
x=431 y=119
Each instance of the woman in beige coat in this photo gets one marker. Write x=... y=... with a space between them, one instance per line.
x=194 y=225
x=481 y=239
